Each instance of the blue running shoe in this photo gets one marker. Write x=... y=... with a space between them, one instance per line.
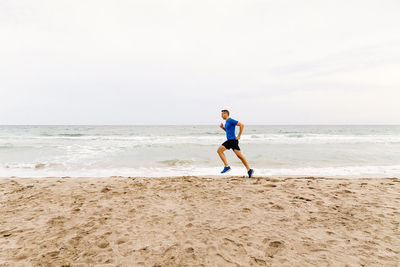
x=250 y=173
x=226 y=169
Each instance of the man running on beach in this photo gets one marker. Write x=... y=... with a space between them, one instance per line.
x=232 y=142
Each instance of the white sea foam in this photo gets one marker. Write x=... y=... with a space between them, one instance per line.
x=344 y=171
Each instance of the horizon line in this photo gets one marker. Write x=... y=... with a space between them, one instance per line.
x=297 y=124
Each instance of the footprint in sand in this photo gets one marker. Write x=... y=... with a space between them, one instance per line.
x=277 y=207
x=233 y=252
x=121 y=241
x=190 y=253
x=274 y=248
x=105 y=189
x=102 y=244
x=56 y=221
x=217 y=259
x=171 y=254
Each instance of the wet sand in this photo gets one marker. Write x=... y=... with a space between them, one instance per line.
x=198 y=221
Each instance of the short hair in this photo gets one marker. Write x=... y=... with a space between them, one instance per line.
x=225 y=110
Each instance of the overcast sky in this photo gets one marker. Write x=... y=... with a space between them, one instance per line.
x=181 y=62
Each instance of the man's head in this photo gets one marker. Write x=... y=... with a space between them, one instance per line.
x=225 y=114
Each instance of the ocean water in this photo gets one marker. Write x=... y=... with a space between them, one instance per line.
x=153 y=151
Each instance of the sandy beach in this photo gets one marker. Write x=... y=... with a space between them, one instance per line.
x=199 y=221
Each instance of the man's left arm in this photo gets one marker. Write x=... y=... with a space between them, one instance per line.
x=241 y=129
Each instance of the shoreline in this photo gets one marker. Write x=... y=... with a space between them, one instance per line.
x=216 y=176
x=194 y=220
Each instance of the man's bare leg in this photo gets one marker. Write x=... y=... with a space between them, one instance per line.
x=242 y=158
x=220 y=152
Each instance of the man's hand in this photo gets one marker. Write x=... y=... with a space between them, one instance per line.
x=240 y=131
x=222 y=126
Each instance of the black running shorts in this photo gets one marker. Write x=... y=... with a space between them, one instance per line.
x=231 y=143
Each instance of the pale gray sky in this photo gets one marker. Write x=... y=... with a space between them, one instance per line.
x=181 y=62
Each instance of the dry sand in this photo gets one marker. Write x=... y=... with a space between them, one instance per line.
x=197 y=221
